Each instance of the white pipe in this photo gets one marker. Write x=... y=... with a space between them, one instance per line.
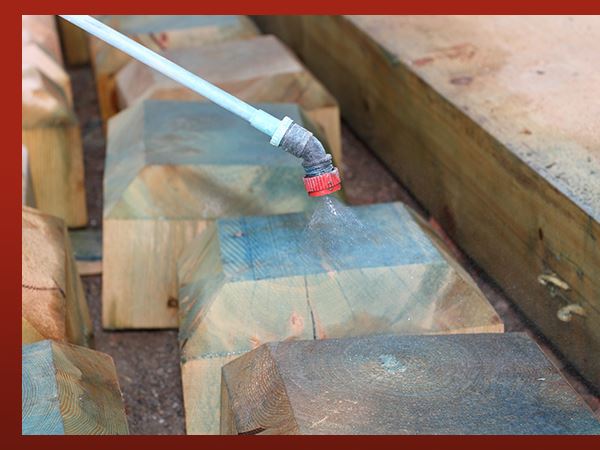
x=258 y=118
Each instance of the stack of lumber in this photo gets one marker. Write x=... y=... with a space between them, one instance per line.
x=251 y=280
x=461 y=384
x=259 y=69
x=171 y=168
x=70 y=390
x=53 y=302
x=491 y=122
x=50 y=130
x=158 y=33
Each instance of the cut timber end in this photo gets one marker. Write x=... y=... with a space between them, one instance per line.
x=70 y=390
x=171 y=167
x=53 y=301
x=158 y=33
x=41 y=30
x=499 y=120
x=251 y=280
x=53 y=139
x=461 y=384
x=34 y=56
x=257 y=70
x=74 y=42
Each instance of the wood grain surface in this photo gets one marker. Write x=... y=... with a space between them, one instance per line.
x=70 y=390
x=459 y=384
x=170 y=168
x=247 y=281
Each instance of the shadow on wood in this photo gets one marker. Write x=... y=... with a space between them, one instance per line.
x=27 y=196
x=53 y=301
x=170 y=168
x=75 y=43
x=257 y=70
x=493 y=128
x=460 y=384
x=247 y=281
x=70 y=390
x=158 y=33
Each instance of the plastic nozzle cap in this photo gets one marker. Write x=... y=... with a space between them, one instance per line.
x=324 y=184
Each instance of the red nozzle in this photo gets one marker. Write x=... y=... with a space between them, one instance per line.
x=323 y=184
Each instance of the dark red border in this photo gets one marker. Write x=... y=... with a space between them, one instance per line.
x=11 y=235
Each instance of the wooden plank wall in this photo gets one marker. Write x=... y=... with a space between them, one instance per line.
x=70 y=390
x=171 y=168
x=460 y=384
x=491 y=122
x=251 y=280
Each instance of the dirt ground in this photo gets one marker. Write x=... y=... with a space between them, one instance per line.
x=148 y=361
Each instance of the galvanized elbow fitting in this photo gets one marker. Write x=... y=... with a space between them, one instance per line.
x=322 y=178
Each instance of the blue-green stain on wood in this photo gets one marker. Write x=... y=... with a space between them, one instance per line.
x=181 y=133
x=87 y=244
x=256 y=248
x=40 y=403
x=141 y=24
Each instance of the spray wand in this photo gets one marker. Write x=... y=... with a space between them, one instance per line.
x=321 y=178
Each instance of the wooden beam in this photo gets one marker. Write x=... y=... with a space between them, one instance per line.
x=247 y=281
x=460 y=384
x=53 y=301
x=170 y=168
x=70 y=390
x=258 y=70
x=27 y=196
x=41 y=30
x=34 y=56
x=158 y=33
x=490 y=122
x=51 y=134
x=75 y=43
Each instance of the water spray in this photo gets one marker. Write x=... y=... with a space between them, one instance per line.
x=321 y=177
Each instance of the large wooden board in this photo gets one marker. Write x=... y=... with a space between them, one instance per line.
x=460 y=384
x=492 y=122
x=51 y=134
x=247 y=281
x=70 y=390
x=53 y=301
x=259 y=70
x=157 y=33
x=170 y=168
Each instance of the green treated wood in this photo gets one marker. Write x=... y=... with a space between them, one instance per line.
x=250 y=280
x=258 y=70
x=459 y=384
x=87 y=250
x=70 y=390
x=159 y=32
x=170 y=168
x=491 y=122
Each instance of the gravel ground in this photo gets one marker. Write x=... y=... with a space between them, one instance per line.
x=148 y=361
